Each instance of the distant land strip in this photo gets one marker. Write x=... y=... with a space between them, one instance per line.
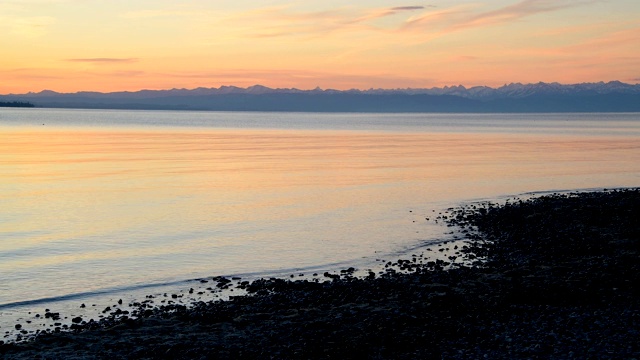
x=21 y=104
x=613 y=96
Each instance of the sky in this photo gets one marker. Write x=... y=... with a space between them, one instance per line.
x=130 y=45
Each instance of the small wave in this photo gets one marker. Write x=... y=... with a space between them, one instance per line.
x=361 y=263
x=85 y=294
x=184 y=282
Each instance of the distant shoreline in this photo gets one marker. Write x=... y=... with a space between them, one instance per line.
x=19 y=104
x=137 y=107
x=613 y=96
x=453 y=112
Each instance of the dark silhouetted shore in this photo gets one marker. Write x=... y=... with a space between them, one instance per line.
x=20 y=104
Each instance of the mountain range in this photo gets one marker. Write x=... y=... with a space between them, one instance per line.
x=614 y=96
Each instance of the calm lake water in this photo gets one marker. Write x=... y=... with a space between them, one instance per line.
x=96 y=203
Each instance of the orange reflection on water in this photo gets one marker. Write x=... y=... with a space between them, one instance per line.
x=73 y=186
x=241 y=159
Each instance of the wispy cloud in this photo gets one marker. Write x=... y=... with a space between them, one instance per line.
x=409 y=8
x=379 y=13
x=436 y=19
x=519 y=10
x=284 y=21
x=596 y=27
x=421 y=22
x=627 y=38
x=426 y=20
x=463 y=17
x=104 y=60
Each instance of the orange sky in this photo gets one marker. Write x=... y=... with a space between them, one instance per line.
x=96 y=45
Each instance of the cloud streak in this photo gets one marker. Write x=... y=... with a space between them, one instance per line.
x=464 y=17
x=281 y=21
x=517 y=11
x=103 y=60
x=406 y=8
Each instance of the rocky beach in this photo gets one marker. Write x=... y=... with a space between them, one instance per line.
x=553 y=276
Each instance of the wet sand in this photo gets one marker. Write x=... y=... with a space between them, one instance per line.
x=550 y=277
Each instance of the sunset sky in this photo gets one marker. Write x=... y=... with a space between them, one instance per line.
x=114 y=45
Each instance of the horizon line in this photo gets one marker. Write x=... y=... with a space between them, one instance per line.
x=318 y=88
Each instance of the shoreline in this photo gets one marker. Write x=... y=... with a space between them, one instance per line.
x=89 y=306
x=557 y=280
